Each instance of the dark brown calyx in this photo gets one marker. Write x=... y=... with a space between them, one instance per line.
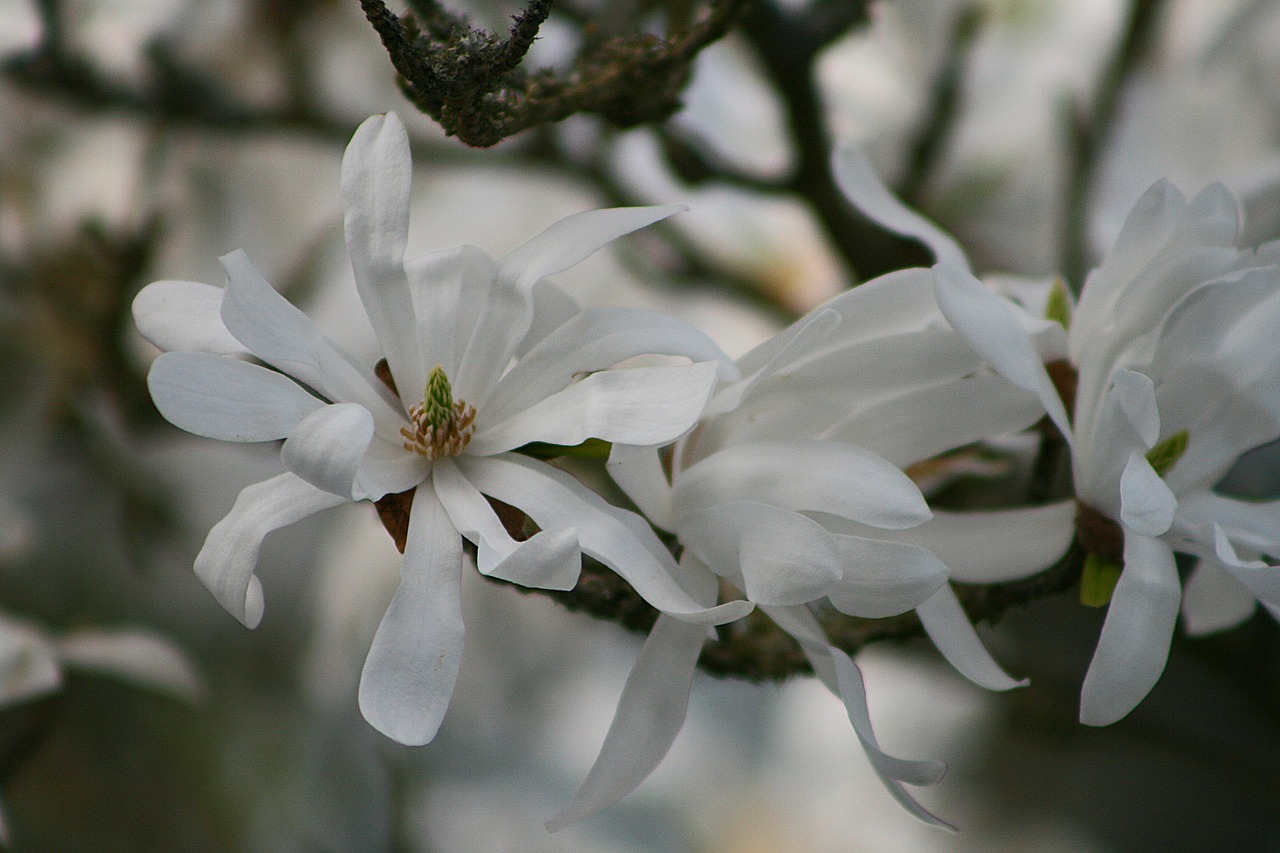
x=1099 y=534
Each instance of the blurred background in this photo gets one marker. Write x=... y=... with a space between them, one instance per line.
x=142 y=139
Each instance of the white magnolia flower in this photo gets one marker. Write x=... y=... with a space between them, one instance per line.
x=1176 y=368
x=792 y=489
x=450 y=325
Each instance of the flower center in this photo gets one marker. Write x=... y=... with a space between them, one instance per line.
x=441 y=426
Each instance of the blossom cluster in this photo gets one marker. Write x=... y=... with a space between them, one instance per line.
x=794 y=480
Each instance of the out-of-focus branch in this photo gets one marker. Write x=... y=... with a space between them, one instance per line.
x=943 y=108
x=788 y=44
x=1090 y=130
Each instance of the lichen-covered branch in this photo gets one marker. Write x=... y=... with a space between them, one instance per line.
x=473 y=84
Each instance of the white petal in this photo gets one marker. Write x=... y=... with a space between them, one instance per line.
x=1120 y=427
x=1212 y=600
x=413 y=662
x=783 y=557
x=437 y=281
x=805 y=476
x=650 y=714
x=387 y=469
x=1145 y=231
x=642 y=405
x=284 y=337
x=924 y=422
x=137 y=656
x=376 y=175
x=947 y=625
x=225 y=398
x=327 y=446
x=860 y=184
x=550 y=559
x=552 y=308
x=793 y=343
x=229 y=556
x=619 y=539
x=896 y=303
x=574 y=239
x=1134 y=645
x=639 y=473
x=996 y=546
x=1256 y=576
x=992 y=328
x=1136 y=394
x=1254 y=524
x=1146 y=505
x=184 y=315
x=597 y=339
x=884 y=578
x=843 y=678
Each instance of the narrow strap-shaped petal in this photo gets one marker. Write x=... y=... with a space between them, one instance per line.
x=1136 y=397
x=552 y=308
x=996 y=546
x=642 y=405
x=1134 y=645
x=327 y=446
x=184 y=315
x=805 y=476
x=438 y=282
x=793 y=343
x=138 y=657
x=28 y=662
x=492 y=322
x=550 y=559
x=573 y=239
x=843 y=678
x=1212 y=600
x=376 y=175
x=387 y=469
x=991 y=327
x=597 y=339
x=413 y=662
x=883 y=578
x=229 y=556
x=286 y=338
x=863 y=187
x=1252 y=523
x=924 y=422
x=1258 y=577
x=949 y=628
x=1147 y=506
x=650 y=714
x=896 y=303
x=618 y=538
x=638 y=471
x=225 y=398
x=783 y=557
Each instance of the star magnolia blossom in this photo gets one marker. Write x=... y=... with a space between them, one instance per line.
x=450 y=325
x=1177 y=373
x=792 y=489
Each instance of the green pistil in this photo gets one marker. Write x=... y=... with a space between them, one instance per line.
x=437 y=402
x=1167 y=453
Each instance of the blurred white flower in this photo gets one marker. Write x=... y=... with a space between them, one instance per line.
x=449 y=323
x=32 y=660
